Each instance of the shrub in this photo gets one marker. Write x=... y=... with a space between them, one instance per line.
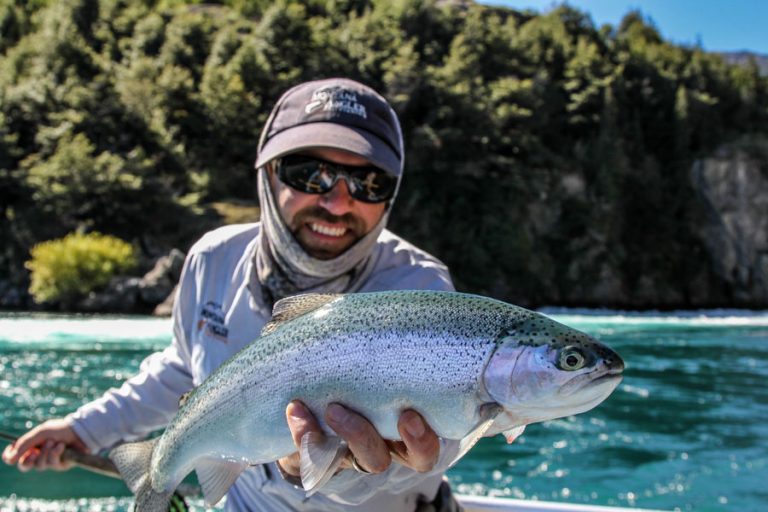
x=71 y=267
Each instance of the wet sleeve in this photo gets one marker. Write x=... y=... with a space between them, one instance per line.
x=147 y=401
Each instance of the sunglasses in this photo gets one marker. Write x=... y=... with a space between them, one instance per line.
x=368 y=184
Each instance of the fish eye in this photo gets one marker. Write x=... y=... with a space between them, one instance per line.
x=571 y=359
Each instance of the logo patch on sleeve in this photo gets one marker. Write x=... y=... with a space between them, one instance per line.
x=212 y=319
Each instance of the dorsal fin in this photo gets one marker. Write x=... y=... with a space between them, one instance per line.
x=293 y=307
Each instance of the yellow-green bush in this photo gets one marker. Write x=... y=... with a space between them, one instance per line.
x=70 y=267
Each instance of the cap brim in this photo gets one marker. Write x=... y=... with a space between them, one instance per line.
x=330 y=135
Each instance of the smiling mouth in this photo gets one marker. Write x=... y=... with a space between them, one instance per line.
x=327 y=230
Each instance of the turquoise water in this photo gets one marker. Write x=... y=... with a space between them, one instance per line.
x=686 y=430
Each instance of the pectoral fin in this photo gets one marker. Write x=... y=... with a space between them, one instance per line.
x=216 y=477
x=320 y=456
x=487 y=414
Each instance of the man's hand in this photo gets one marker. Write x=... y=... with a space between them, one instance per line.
x=42 y=447
x=418 y=450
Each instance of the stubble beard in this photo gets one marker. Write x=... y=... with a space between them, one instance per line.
x=355 y=231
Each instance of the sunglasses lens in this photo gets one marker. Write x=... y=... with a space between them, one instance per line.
x=372 y=186
x=312 y=176
x=305 y=175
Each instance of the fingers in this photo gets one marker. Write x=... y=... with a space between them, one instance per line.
x=420 y=443
x=43 y=447
x=8 y=454
x=365 y=443
x=28 y=459
x=419 y=448
x=47 y=456
x=300 y=421
x=53 y=456
x=23 y=446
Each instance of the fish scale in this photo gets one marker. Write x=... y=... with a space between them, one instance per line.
x=470 y=365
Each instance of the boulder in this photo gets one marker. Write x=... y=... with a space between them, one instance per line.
x=13 y=296
x=165 y=308
x=159 y=283
x=121 y=295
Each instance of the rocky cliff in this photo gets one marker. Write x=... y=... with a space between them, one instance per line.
x=733 y=188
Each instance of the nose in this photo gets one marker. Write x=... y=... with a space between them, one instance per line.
x=613 y=360
x=338 y=201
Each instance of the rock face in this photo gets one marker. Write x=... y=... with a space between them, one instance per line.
x=733 y=187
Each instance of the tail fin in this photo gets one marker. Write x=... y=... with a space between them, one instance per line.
x=133 y=460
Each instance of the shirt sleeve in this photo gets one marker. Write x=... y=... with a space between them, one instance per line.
x=148 y=400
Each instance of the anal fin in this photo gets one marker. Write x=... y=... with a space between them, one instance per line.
x=216 y=477
x=320 y=456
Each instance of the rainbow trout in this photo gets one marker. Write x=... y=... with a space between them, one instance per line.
x=472 y=366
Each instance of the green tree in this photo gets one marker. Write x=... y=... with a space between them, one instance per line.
x=81 y=187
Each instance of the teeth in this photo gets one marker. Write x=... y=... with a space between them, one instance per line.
x=325 y=230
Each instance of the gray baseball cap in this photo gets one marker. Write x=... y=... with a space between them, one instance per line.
x=335 y=113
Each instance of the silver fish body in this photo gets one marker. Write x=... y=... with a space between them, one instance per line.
x=446 y=355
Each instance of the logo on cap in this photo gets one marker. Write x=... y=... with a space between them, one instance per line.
x=335 y=99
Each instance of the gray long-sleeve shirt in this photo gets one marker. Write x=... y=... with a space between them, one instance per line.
x=214 y=316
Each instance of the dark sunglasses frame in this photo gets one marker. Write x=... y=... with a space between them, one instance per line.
x=306 y=173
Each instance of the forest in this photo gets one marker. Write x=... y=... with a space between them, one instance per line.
x=548 y=160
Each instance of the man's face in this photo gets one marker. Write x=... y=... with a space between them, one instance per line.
x=326 y=225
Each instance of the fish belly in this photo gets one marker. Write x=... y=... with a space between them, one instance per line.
x=381 y=376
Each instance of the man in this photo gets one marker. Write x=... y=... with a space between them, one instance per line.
x=329 y=165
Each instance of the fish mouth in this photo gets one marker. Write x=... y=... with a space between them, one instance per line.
x=594 y=383
x=580 y=394
x=611 y=375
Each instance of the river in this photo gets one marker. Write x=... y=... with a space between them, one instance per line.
x=687 y=429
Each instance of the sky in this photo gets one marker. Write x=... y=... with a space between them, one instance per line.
x=718 y=25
